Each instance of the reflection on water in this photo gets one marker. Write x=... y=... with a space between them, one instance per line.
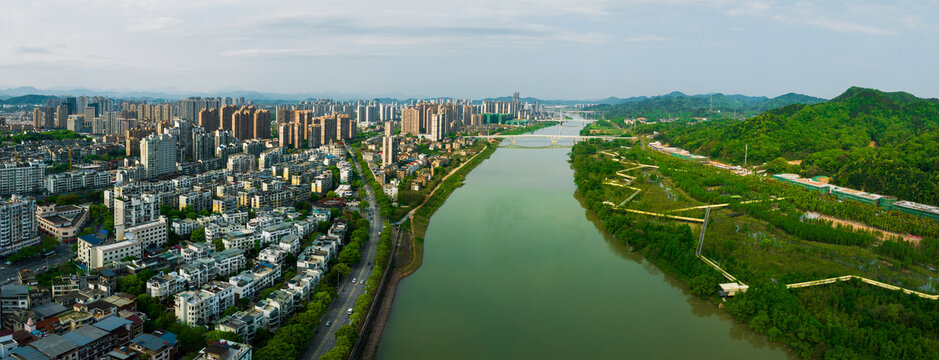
x=514 y=268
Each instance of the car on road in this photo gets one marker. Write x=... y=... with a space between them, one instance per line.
x=328 y=323
x=349 y=311
x=361 y=281
x=353 y=280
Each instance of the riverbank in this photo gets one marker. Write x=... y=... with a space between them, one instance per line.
x=512 y=261
x=528 y=128
x=410 y=258
x=766 y=245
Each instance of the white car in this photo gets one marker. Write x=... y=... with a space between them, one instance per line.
x=349 y=311
x=361 y=281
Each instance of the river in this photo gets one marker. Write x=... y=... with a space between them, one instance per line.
x=516 y=268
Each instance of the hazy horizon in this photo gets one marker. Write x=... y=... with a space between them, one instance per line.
x=545 y=49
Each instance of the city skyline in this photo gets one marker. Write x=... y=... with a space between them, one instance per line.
x=553 y=50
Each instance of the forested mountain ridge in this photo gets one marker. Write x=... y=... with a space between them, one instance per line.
x=680 y=105
x=867 y=139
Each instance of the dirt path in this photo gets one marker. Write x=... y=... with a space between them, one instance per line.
x=860 y=226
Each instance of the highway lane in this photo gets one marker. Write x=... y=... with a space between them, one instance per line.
x=9 y=274
x=337 y=315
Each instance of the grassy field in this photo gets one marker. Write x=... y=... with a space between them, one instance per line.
x=614 y=127
x=756 y=251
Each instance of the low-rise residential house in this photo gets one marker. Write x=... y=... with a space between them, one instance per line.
x=229 y=261
x=198 y=272
x=13 y=297
x=290 y=243
x=249 y=283
x=165 y=285
x=95 y=253
x=225 y=350
x=156 y=346
x=273 y=254
x=272 y=234
x=150 y=234
x=240 y=239
x=216 y=231
x=243 y=323
x=271 y=314
x=185 y=226
x=304 y=282
x=200 y=307
x=191 y=251
x=338 y=230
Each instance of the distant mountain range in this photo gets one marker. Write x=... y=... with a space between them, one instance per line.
x=678 y=104
x=19 y=96
x=260 y=97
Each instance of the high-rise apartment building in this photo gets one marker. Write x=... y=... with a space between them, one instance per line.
x=203 y=144
x=18 y=225
x=389 y=149
x=327 y=128
x=225 y=114
x=209 y=119
x=411 y=121
x=90 y=114
x=438 y=127
x=37 y=118
x=133 y=137
x=61 y=116
x=21 y=178
x=249 y=122
x=158 y=154
x=223 y=137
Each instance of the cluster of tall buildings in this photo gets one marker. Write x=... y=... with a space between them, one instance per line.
x=302 y=128
x=245 y=122
x=436 y=120
x=370 y=113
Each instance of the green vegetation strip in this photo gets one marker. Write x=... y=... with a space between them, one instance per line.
x=529 y=128
x=345 y=340
x=843 y=320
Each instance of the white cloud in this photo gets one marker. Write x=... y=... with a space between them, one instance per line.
x=750 y=8
x=154 y=24
x=646 y=38
x=846 y=27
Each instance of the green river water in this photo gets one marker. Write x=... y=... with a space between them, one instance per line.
x=515 y=268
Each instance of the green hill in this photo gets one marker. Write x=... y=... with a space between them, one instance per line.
x=867 y=139
x=679 y=105
x=27 y=100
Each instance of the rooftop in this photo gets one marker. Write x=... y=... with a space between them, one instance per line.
x=29 y=353
x=111 y=323
x=85 y=335
x=91 y=239
x=53 y=345
x=155 y=343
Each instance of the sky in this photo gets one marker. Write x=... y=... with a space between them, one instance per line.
x=550 y=49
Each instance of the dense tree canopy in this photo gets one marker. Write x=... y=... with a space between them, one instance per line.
x=866 y=139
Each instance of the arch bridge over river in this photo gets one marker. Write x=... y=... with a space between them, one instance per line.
x=555 y=139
